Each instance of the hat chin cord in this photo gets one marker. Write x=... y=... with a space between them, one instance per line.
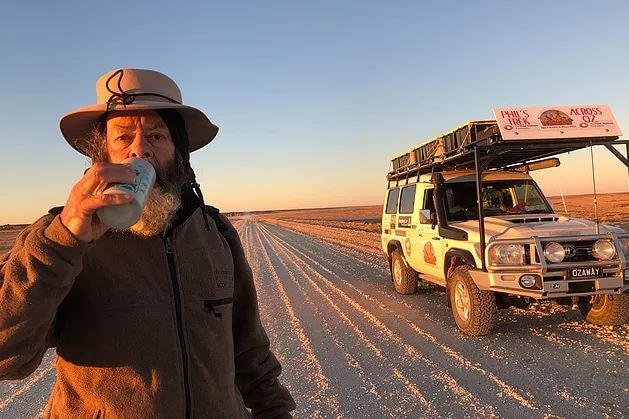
x=197 y=189
x=192 y=182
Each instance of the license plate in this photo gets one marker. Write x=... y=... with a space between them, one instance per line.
x=586 y=272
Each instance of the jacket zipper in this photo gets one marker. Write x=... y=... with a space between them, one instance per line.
x=184 y=354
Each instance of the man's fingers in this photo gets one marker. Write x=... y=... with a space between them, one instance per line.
x=102 y=174
x=87 y=197
x=95 y=202
x=90 y=204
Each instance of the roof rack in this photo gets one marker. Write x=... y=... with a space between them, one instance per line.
x=457 y=149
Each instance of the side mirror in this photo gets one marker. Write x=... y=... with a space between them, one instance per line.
x=424 y=216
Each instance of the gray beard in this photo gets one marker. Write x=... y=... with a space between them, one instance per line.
x=159 y=210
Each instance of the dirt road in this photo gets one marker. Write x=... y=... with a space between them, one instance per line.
x=351 y=347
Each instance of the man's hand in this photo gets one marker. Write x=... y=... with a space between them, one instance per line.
x=79 y=213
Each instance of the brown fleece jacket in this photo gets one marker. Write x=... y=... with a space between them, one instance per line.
x=143 y=328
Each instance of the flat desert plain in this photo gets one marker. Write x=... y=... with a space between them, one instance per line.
x=359 y=227
x=351 y=347
x=7 y=237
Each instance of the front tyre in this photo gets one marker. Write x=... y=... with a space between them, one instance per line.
x=403 y=276
x=605 y=310
x=475 y=311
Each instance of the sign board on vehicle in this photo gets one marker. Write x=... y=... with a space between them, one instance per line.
x=580 y=121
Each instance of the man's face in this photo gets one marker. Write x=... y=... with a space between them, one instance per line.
x=144 y=134
x=139 y=134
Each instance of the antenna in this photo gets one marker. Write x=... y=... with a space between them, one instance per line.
x=627 y=152
x=563 y=200
x=594 y=186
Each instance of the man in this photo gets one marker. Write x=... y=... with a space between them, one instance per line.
x=160 y=320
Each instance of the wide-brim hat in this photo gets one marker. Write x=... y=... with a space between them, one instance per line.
x=130 y=89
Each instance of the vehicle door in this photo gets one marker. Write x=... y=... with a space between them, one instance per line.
x=389 y=216
x=429 y=245
x=406 y=229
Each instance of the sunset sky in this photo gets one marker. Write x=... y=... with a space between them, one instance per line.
x=312 y=98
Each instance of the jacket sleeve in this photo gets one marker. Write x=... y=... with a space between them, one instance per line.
x=35 y=276
x=257 y=369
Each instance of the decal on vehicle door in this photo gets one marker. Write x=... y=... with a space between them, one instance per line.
x=404 y=221
x=407 y=246
x=429 y=254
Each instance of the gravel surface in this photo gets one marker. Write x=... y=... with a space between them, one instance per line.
x=351 y=347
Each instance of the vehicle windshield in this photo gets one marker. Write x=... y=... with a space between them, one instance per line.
x=499 y=198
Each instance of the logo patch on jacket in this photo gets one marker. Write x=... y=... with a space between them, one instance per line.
x=224 y=280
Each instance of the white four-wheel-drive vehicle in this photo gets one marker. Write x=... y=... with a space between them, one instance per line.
x=509 y=247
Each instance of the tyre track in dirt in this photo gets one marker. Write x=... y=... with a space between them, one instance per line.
x=505 y=388
x=382 y=399
x=464 y=363
x=396 y=405
x=254 y=262
x=322 y=401
x=356 y=372
x=396 y=347
x=535 y=356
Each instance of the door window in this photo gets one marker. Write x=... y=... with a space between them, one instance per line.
x=392 y=201
x=407 y=201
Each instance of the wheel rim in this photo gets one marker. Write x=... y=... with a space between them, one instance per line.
x=462 y=301
x=397 y=272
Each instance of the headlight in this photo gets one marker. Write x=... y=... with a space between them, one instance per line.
x=506 y=254
x=603 y=250
x=554 y=252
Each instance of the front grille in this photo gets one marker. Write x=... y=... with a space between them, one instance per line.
x=577 y=251
x=583 y=253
